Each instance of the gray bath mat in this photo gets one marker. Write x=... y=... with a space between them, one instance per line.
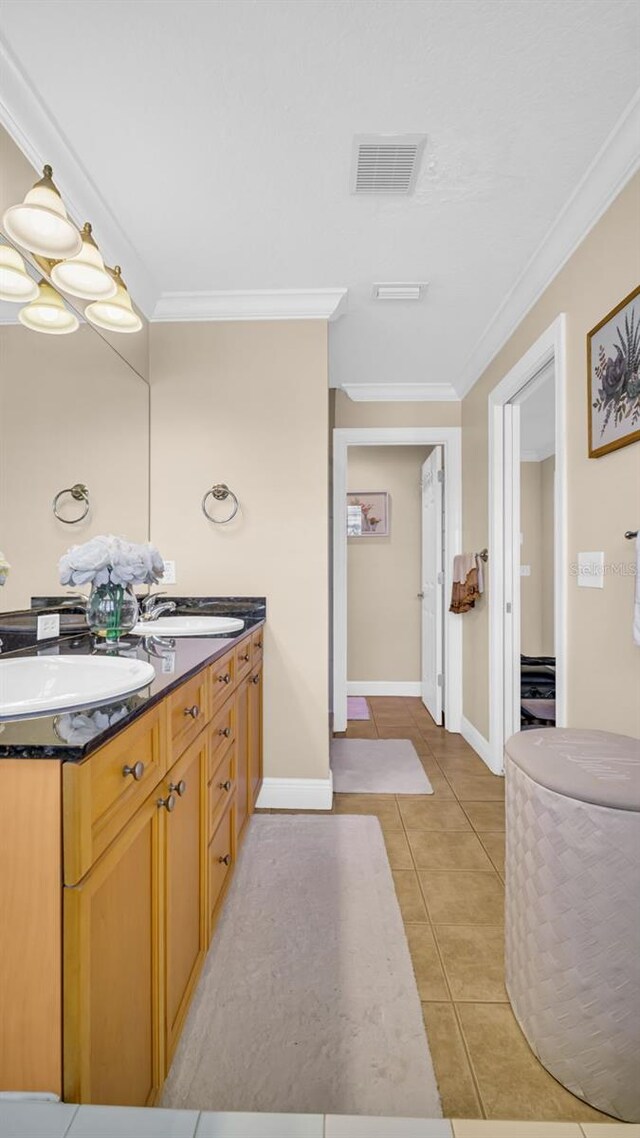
x=307 y=1001
x=377 y=766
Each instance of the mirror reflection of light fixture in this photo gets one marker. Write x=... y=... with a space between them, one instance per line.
x=40 y=224
x=48 y=313
x=85 y=275
x=116 y=314
x=15 y=283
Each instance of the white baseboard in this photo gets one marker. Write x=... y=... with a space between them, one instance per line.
x=478 y=742
x=296 y=794
x=384 y=687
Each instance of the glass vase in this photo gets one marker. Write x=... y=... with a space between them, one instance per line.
x=112 y=611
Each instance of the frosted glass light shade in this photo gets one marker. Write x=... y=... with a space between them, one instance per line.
x=116 y=314
x=41 y=224
x=85 y=275
x=15 y=283
x=48 y=313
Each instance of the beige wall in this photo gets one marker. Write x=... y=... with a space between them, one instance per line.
x=547 y=479
x=70 y=411
x=246 y=404
x=602 y=494
x=383 y=634
x=536 y=551
x=352 y=413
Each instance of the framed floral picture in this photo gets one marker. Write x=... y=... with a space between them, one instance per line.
x=368 y=513
x=613 y=377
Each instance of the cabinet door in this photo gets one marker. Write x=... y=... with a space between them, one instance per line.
x=242 y=771
x=185 y=861
x=112 y=1035
x=255 y=737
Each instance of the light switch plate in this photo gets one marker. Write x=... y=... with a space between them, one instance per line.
x=48 y=626
x=591 y=570
x=169 y=575
x=525 y=570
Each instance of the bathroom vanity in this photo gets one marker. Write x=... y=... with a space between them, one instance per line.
x=120 y=831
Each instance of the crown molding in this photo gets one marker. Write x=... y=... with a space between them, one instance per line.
x=252 y=304
x=401 y=392
x=614 y=164
x=37 y=134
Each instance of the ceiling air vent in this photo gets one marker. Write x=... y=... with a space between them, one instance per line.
x=396 y=291
x=386 y=163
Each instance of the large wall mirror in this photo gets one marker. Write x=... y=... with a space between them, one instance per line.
x=74 y=410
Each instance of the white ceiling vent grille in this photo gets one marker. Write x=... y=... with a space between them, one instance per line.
x=385 y=163
x=413 y=290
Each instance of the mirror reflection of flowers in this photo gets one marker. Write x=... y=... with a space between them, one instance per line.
x=78 y=728
x=619 y=377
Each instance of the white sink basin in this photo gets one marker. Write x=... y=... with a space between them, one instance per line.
x=35 y=685
x=187 y=626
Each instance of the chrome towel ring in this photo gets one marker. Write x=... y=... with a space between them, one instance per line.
x=79 y=493
x=220 y=493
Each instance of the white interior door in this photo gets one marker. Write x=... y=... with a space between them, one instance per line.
x=512 y=542
x=431 y=594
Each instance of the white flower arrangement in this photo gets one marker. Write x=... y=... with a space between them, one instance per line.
x=111 y=560
x=4 y=569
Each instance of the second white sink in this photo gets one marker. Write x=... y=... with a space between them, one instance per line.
x=187 y=626
x=34 y=685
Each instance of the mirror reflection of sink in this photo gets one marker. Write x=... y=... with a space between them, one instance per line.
x=36 y=685
x=187 y=626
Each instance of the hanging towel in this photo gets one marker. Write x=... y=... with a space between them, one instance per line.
x=480 y=568
x=637 y=599
x=465 y=591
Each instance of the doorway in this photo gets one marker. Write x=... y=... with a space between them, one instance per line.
x=436 y=577
x=528 y=538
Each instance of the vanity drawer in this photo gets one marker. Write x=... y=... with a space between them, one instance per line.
x=221 y=861
x=243 y=657
x=101 y=794
x=188 y=713
x=222 y=787
x=222 y=733
x=222 y=677
x=257 y=647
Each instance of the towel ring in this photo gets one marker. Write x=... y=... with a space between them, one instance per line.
x=220 y=493
x=79 y=493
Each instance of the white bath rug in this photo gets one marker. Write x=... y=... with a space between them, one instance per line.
x=377 y=766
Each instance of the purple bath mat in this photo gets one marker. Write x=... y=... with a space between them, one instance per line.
x=357 y=707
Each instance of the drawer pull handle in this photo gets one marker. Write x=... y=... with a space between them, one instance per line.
x=258 y=644
x=225 y=785
x=169 y=803
x=255 y=679
x=226 y=860
x=192 y=711
x=225 y=679
x=179 y=787
x=226 y=731
x=137 y=770
x=245 y=657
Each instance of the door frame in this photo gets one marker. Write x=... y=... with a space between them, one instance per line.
x=450 y=439
x=549 y=348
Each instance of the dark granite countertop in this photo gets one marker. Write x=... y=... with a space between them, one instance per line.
x=70 y=736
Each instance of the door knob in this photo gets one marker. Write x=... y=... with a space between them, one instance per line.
x=226 y=860
x=137 y=770
x=226 y=731
x=225 y=785
x=169 y=803
x=192 y=711
x=179 y=787
x=420 y=596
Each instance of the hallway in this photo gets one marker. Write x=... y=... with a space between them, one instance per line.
x=446 y=851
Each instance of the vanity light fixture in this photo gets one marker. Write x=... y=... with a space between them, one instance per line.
x=116 y=314
x=15 y=283
x=41 y=224
x=48 y=313
x=85 y=275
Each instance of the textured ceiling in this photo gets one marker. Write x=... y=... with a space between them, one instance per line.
x=220 y=134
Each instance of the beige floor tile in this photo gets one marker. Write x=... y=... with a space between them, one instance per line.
x=477 y=787
x=426 y=963
x=365 y=729
x=458 y=897
x=450 y=849
x=394 y=718
x=470 y=1128
x=473 y=959
x=398 y=850
x=430 y=765
x=409 y=895
x=494 y=845
x=427 y=813
x=512 y=1083
x=441 y=788
x=461 y=764
x=450 y=1063
x=484 y=815
x=382 y=805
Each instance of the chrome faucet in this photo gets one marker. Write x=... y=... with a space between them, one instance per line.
x=152 y=609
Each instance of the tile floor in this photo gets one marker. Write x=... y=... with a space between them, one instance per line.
x=447 y=856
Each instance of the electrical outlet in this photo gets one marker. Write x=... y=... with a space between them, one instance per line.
x=169 y=575
x=48 y=626
x=525 y=570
